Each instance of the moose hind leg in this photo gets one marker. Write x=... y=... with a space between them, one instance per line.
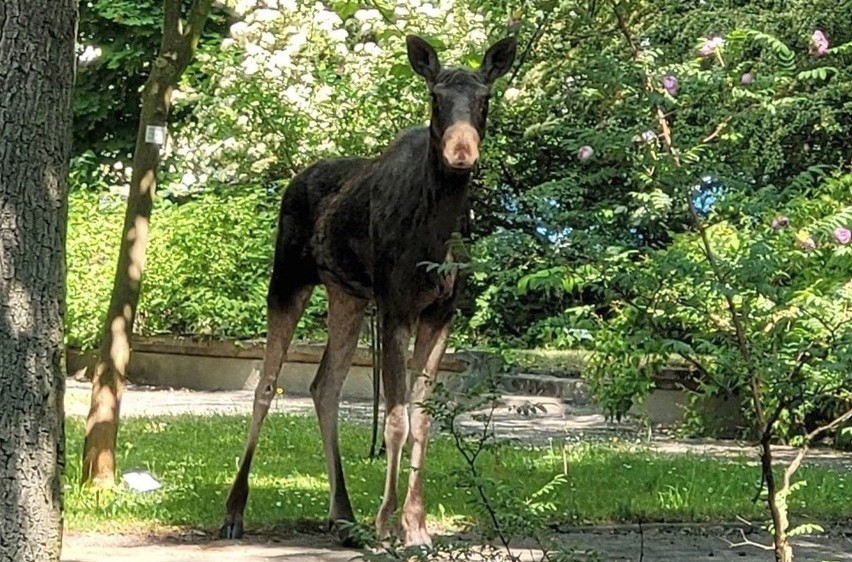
x=430 y=344
x=345 y=315
x=284 y=308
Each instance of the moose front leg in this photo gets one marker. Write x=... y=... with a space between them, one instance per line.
x=395 y=337
x=432 y=333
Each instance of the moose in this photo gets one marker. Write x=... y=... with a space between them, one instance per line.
x=363 y=228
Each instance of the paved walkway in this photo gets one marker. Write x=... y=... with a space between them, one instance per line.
x=621 y=545
x=559 y=422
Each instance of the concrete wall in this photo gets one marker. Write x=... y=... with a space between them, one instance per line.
x=199 y=365
x=199 y=372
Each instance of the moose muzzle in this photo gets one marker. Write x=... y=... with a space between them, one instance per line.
x=461 y=146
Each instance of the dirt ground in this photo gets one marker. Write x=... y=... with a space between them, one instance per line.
x=660 y=544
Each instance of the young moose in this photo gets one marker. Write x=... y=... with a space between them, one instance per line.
x=362 y=228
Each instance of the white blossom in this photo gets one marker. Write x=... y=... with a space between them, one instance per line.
x=250 y=67
x=280 y=59
x=239 y=30
x=368 y=15
x=338 y=35
x=281 y=44
x=89 y=54
x=188 y=179
x=265 y=15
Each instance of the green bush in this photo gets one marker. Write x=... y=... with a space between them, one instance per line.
x=209 y=260
x=689 y=256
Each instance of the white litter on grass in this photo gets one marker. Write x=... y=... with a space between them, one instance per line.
x=141 y=481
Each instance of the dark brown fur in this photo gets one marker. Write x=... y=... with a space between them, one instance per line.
x=363 y=228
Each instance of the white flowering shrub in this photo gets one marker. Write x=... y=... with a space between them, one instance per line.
x=297 y=81
x=293 y=82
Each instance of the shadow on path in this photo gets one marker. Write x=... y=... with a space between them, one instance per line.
x=611 y=544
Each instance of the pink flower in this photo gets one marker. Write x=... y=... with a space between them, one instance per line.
x=819 y=42
x=747 y=78
x=710 y=46
x=585 y=152
x=670 y=84
x=842 y=235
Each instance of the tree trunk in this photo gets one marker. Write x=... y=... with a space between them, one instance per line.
x=777 y=506
x=37 y=53
x=110 y=371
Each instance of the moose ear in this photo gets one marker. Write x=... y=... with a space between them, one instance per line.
x=498 y=59
x=423 y=58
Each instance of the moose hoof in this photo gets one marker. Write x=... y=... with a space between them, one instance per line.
x=418 y=537
x=231 y=530
x=345 y=533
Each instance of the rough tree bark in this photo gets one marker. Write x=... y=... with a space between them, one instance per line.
x=180 y=39
x=37 y=53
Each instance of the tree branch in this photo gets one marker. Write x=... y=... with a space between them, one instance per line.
x=747 y=542
x=528 y=48
x=717 y=132
x=198 y=14
x=171 y=23
x=796 y=462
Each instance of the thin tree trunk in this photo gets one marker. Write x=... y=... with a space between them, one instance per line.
x=778 y=512
x=110 y=371
x=37 y=53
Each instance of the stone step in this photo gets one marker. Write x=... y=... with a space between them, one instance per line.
x=571 y=390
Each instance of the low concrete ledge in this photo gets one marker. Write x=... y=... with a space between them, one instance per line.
x=203 y=364
x=299 y=352
x=197 y=364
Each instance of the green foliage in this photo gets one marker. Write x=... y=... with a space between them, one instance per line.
x=749 y=282
x=209 y=260
x=559 y=240
x=117 y=42
x=580 y=87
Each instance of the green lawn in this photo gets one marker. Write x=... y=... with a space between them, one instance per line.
x=196 y=457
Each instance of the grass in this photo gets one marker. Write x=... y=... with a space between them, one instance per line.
x=195 y=458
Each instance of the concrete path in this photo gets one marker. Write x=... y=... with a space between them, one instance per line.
x=101 y=548
x=559 y=422
x=613 y=545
